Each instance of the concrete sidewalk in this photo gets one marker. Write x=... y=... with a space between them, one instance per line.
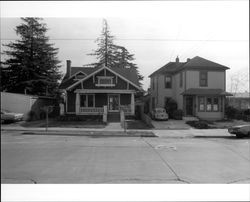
x=116 y=132
x=170 y=125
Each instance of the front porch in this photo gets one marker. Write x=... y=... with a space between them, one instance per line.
x=96 y=102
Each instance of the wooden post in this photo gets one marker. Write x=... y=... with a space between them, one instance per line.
x=132 y=104
x=47 y=118
x=105 y=112
x=77 y=103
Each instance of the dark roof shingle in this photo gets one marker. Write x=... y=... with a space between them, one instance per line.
x=196 y=62
x=128 y=73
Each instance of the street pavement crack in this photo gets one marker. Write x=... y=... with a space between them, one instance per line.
x=165 y=162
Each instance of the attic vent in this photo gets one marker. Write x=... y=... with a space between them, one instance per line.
x=80 y=76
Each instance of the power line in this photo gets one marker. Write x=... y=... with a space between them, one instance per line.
x=138 y=39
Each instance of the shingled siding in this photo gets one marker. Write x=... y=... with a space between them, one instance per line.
x=125 y=99
x=101 y=99
x=71 y=102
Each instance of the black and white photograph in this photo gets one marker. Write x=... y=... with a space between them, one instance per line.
x=125 y=94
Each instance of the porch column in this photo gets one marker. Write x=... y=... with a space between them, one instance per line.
x=132 y=104
x=77 y=103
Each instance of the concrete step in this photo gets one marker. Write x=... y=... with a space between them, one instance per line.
x=189 y=118
x=113 y=117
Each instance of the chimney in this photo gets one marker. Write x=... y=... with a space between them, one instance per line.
x=68 y=72
x=177 y=60
x=188 y=59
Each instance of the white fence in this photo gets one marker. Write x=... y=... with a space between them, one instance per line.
x=91 y=110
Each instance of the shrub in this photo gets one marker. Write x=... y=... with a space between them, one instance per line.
x=177 y=114
x=198 y=124
x=246 y=112
x=31 y=116
x=231 y=112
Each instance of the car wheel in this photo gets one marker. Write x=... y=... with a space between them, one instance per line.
x=238 y=135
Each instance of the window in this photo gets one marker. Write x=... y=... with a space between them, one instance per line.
x=203 y=79
x=153 y=83
x=79 y=76
x=90 y=100
x=209 y=104
x=212 y=104
x=105 y=81
x=83 y=101
x=216 y=104
x=181 y=79
x=168 y=81
x=201 y=104
x=87 y=100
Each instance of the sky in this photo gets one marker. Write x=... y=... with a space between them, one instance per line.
x=155 y=32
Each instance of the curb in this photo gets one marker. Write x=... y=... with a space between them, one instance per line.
x=93 y=134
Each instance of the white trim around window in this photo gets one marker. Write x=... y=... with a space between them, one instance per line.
x=209 y=103
x=110 y=80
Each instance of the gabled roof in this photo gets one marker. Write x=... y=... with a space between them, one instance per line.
x=129 y=74
x=194 y=63
x=170 y=67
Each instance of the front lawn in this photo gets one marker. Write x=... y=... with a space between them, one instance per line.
x=65 y=124
x=137 y=124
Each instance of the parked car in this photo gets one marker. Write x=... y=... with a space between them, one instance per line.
x=7 y=116
x=240 y=131
x=159 y=114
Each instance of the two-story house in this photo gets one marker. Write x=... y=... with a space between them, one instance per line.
x=89 y=90
x=197 y=85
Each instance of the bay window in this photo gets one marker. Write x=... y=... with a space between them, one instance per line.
x=201 y=104
x=209 y=104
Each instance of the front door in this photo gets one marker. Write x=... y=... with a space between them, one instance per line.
x=113 y=103
x=189 y=106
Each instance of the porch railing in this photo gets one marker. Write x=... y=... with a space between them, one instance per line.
x=91 y=110
x=126 y=108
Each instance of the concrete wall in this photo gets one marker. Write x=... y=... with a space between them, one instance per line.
x=20 y=103
x=216 y=79
x=17 y=103
x=179 y=89
x=160 y=92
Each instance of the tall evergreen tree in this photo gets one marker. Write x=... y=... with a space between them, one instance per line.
x=124 y=59
x=113 y=55
x=105 y=51
x=32 y=65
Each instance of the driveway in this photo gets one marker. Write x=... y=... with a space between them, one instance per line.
x=170 y=124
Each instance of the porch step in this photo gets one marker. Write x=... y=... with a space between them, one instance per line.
x=189 y=118
x=113 y=117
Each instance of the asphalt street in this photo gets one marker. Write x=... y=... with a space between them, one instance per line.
x=75 y=159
